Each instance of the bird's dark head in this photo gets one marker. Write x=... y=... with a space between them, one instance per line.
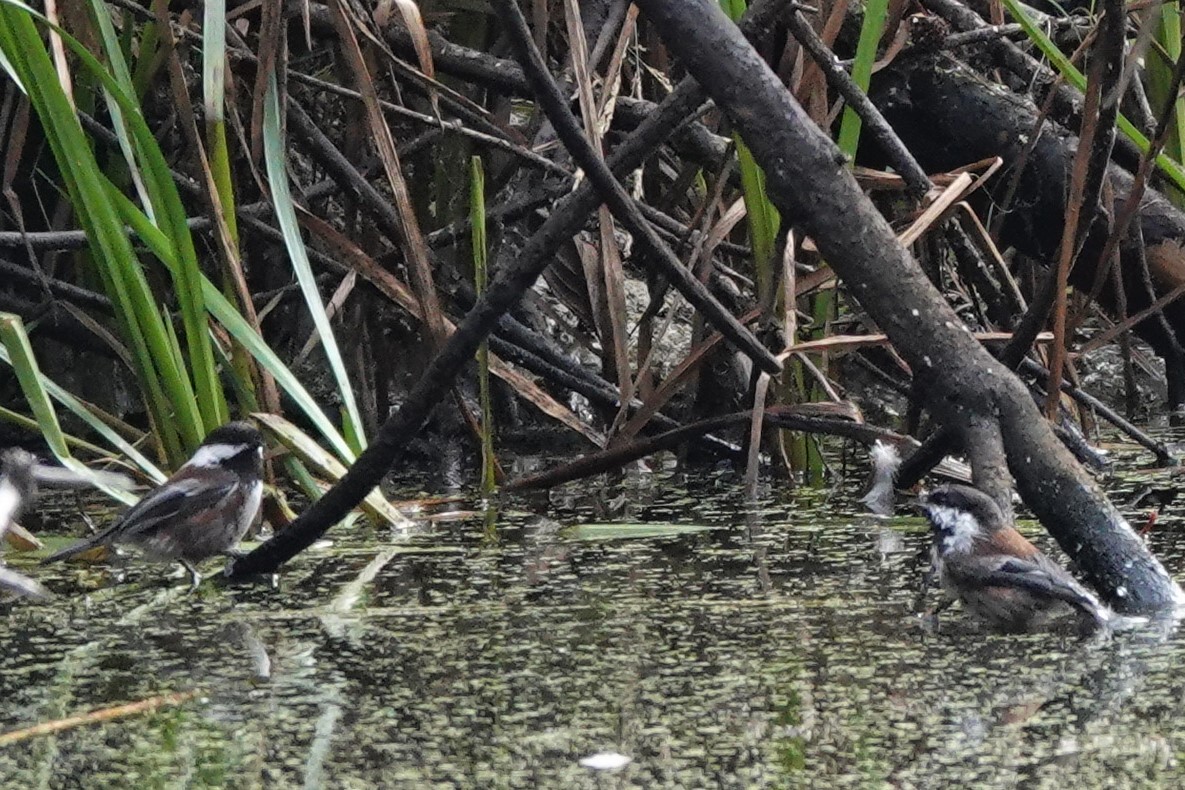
x=961 y=515
x=236 y=445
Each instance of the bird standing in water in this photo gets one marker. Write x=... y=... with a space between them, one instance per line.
x=202 y=511
x=995 y=571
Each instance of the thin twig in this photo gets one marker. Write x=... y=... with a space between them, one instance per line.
x=98 y=716
x=790 y=417
x=623 y=207
x=1159 y=449
x=899 y=156
x=1092 y=160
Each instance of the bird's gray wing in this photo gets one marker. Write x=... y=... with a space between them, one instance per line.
x=1041 y=578
x=178 y=500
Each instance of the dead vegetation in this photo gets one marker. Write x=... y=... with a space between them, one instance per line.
x=694 y=240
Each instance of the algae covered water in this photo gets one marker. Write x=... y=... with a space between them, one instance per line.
x=711 y=640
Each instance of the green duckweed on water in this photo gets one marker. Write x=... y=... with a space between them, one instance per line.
x=714 y=642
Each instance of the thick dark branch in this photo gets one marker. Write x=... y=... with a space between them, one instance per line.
x=962 y=383
x=950 y=115
x=512 y=279
x=1067 y=102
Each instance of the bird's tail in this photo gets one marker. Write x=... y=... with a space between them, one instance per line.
x=1093 y=613
x=92 y=542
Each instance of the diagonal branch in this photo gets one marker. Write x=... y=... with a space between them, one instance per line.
x=514 y=277
x=962 y=384
x=614 y=195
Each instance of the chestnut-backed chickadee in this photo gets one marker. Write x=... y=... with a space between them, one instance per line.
x=203 y=510
x=998 y=574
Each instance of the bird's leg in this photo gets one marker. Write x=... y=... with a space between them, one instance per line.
x=927 y=581
x=928 y=578
x=932 y=570
x=194 y=576
x=90 y=524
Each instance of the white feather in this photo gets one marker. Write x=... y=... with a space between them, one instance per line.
x=10 y=502
x=214 y=454
x=885 y=463
x=885 y=459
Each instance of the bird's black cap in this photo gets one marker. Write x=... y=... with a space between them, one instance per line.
x=968 y=500
x=238 y=432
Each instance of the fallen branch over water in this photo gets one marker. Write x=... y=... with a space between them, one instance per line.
x=791 y=417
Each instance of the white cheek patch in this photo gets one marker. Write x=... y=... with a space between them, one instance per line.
x=215 y=454
x=958 y=528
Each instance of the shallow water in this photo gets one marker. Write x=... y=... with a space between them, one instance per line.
x=777 y=647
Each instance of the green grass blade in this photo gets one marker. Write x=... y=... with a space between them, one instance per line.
x=477 y=218
x=875 y=14
x=227 y=315
x=18 y=353
x=277 y=173
x=113 y=48
x=143 y=328
x=761 y=217
x=763 y=222
x=29 y=424
x=240 y=330
x=213 y=98
x=1072 y=75
x=163 y=208
x=1169 y=36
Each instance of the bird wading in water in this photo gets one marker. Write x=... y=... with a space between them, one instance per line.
x=202 y=511
x=995 y=571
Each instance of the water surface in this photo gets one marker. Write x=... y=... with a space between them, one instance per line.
x=773 y=643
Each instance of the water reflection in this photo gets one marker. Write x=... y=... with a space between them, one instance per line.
x=779 y=648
